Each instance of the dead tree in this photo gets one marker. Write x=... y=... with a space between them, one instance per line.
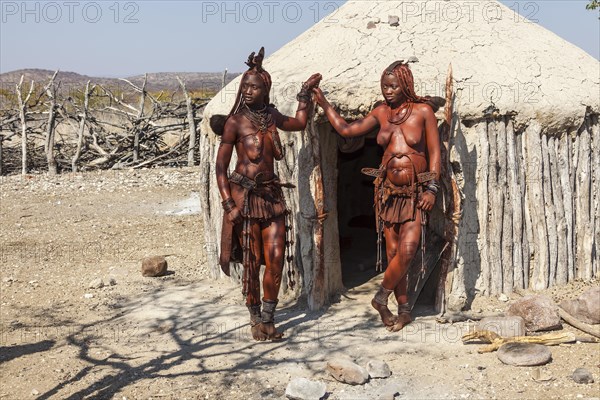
x=224 y=79
x=138 y=125
x=51 y=90
x=1 y=160
x=191 y=123
x=9 y=124
x=23 y=116
x=82 y=124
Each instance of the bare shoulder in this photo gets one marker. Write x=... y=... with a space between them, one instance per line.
x=231 y=128
x=234 y=122
x=235 y=119
x=424 y=109
x=380 y=110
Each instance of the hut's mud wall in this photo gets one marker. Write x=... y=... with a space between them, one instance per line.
x=531 y=209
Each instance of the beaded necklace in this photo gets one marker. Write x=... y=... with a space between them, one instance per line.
x=260 y=120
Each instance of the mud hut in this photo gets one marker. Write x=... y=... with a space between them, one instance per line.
x=523 y=144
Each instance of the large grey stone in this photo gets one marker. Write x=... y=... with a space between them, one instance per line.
x=304 y=389
x=154 y=266
x=582 y=375
x=378 y=369
x=539 y=312
x=524 y=354
x=504 y=326
x=348 y=372
x=586 y=307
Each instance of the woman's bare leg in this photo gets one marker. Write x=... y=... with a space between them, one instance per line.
x=408 y=243
x=273 y=239
x=379 y=302
x=253 y=296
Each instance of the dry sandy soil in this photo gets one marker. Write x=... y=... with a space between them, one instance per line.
x=185 y=335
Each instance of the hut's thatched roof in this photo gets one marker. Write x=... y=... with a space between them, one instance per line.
x=494 y=53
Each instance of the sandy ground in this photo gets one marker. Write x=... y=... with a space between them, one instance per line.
x=184 y=335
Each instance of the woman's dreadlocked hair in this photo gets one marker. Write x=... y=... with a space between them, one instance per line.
x=254 y=63
x=402 y=71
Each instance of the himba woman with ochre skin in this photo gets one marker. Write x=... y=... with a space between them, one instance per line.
x=406 y=183
x=253 y=201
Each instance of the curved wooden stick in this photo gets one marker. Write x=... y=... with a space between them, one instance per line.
x=571 y=320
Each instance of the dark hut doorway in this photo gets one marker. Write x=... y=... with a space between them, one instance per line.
x=356 y=222
x=356 y=216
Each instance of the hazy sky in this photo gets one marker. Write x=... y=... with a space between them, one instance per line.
x=109 y=38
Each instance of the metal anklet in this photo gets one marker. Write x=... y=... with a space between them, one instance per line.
x=268 y=312
x=255 y=314
x=382 y=295
x=404 y=308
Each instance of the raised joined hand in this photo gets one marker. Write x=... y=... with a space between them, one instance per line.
x=313 y=81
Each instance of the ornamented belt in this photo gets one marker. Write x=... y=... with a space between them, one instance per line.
x=384 y=189
x=380 y=172
x=250 y=185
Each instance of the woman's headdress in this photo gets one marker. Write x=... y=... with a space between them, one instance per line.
x=254 y=64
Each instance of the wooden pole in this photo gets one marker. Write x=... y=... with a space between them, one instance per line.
x=563 y=150
x=496 y=203
x=549 y=211
x=224 y=79
x=483 y=195
x=191 y=123
x=596 y=191
x=454 y=198
x=516 y=205
x=51 y=92
x=507 y=244
x=535 y=206
x=23 y=118
x=317 y=289
x=82 y=123
x=582 y=200
x=560 y=275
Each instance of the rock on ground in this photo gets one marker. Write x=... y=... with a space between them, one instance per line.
x=154 y=266
x=304 y=389
x=504 y=326
x=582 y=375
x=524 y=354
x=96 y=284
x=539 y=312
x=586 y=307
x=347 y=372
x=378 y=369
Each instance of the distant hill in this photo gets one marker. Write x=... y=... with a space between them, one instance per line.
x=209 y=81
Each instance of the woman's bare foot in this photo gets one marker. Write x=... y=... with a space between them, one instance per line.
x=386 y=315
x=255 y=322
x=402 y=320
x=270 y=332
x=257 y=333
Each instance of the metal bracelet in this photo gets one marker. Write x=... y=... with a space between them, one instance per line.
x=304 y=95
x=228 y=205
x=433 y=187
